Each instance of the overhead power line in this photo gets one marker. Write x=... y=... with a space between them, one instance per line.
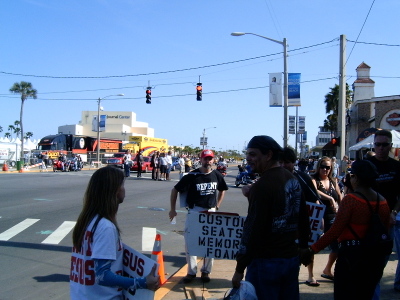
x=166 y=96
x=162 y=72
x=362 y=27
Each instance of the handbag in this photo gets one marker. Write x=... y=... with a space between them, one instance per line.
x=245 y=292
x=377 y=240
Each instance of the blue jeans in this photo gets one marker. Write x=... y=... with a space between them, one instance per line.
x=275 y=278
x=127 y=169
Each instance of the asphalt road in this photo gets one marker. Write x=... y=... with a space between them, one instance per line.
x=32 y=269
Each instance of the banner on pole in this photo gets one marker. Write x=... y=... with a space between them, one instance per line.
x=275 y=89
x=292 y=125
x=102 y=123
x=294 y=89
x=302 y=125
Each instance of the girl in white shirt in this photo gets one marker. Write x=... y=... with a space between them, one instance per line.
x=96 y=260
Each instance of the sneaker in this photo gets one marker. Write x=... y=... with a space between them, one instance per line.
x=188 y=278
x=205 y=278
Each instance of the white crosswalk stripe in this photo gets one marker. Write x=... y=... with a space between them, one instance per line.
x=60 y=233
x=57 y=236
x=13 y=231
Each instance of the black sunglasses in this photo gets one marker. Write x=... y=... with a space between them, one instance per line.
x=324 y=167
x=381 y=144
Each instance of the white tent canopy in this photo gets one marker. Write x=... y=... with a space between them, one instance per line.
x=14 y=143
x=368 y=143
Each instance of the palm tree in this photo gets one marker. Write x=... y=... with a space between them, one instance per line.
x=7 y=135
x=332 y=107
x=11 y=129
x=28 y=135
x=26 y=91
x=1 y=129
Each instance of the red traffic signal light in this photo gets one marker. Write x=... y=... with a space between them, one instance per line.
x=335 y=141
x=148 y=95
x=199 y=91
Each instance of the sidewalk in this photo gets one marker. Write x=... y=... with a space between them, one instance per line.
x=223 y=271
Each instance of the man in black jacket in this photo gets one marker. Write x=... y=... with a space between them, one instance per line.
x=288 y=161
x=277 y=217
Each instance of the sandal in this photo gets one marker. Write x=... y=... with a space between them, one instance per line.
x=311 y=283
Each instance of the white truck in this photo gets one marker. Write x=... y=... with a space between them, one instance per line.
x=9 y=154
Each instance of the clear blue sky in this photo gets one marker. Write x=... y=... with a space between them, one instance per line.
x=155 y=38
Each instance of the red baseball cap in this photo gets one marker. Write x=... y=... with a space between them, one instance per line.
x=206 y=153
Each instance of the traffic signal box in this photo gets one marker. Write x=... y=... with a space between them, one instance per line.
x=335 y=141
x=148 y=95
x=199 y=93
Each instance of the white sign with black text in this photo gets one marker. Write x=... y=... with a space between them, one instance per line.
x=214 y=235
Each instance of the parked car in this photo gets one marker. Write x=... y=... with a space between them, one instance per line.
x=145 y=165
x=116 y=160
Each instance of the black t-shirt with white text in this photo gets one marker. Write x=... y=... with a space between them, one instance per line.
x=388 y=181
x=201 y=188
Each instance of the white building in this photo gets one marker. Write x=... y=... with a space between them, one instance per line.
x=118 y=125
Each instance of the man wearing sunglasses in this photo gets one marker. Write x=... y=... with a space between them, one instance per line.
x=388 y=184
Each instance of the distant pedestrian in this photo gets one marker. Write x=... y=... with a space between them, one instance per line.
x=127 y=163
x=154 y=164
x=181 y=164
x=139 y=163
x=162 y=161
x=168 y=157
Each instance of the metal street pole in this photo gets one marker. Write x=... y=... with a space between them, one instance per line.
x=204 y=135
x=285 y=81
x=98 y=125
x=341 y=132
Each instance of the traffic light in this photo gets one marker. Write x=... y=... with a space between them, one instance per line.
x=148 y=95
x=335 y=141
x=199 y=90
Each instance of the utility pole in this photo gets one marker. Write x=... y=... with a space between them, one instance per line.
x=341 y=130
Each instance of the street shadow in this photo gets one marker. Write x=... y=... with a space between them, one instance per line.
x=52 y=278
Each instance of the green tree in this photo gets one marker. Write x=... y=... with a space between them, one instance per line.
x=332 y=107
x=26 y=91
x=11 y=129
x=7 y=135
x=28 y=135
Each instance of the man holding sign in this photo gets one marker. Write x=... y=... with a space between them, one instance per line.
x=201 y=187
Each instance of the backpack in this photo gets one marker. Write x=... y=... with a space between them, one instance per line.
x=377 y=240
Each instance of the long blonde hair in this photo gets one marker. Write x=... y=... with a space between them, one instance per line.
x=316 y=174
x=100 y=199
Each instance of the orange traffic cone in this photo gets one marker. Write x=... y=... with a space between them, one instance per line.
x=5 y=167
x=158 y=256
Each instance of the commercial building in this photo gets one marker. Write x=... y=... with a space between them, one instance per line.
x=118 y=125
x=367 y=112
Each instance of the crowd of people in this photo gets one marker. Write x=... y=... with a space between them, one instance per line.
x=357 y=196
